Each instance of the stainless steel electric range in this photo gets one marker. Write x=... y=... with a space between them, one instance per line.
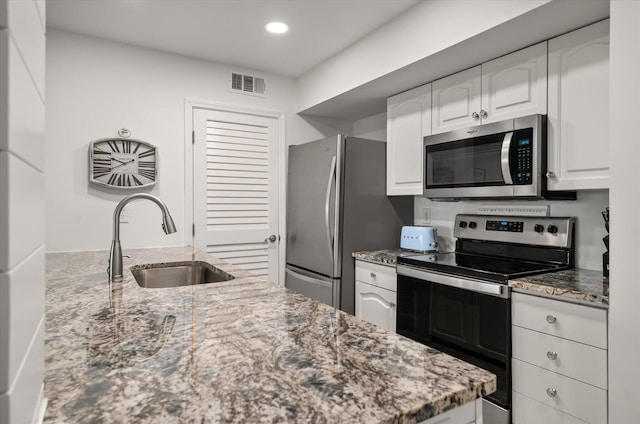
x=460 y=302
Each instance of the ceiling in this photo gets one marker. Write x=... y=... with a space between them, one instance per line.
x=231 y=31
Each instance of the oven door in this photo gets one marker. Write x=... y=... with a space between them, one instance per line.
x=468 y=319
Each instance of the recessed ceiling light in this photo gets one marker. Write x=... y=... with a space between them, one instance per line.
x=277 y=27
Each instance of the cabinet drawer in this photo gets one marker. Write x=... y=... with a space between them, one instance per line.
x=567 y=320
x=529 y=411
x=581 y=400
x=576 y=360
x=377 y=275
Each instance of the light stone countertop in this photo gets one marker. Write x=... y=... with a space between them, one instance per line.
x=386 y=257
x=240 y=351
x=576 y=285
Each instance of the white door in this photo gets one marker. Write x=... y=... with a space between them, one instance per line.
x=235 y=188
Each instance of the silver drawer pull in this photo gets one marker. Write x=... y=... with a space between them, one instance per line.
x=373 y=275
x=551 y=392
x=552 y=355
x=551 y=319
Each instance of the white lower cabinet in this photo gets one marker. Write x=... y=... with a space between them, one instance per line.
x=376 y=299
x=559 y=363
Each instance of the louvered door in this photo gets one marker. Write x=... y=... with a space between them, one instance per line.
x=236 y=188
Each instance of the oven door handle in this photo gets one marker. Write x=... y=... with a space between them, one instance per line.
x=493 y=289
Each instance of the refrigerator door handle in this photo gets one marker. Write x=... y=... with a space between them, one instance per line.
x=327 y=201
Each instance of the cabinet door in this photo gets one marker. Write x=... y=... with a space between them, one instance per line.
x=579 y=109
x=515 y=85
x=408 y=121
x=376 y=305
x=455 y=99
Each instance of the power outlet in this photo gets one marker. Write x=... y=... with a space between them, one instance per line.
x=426 y=215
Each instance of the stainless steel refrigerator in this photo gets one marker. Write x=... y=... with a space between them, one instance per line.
x=337 y=204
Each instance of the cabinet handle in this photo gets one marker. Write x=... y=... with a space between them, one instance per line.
x=550 y=174
x=551 y=319
x=475 y=116
x=551 y=392
x=552 y=355
x=483 y=114
x=373 y=275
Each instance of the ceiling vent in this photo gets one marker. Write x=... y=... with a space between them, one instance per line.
x=247 y=84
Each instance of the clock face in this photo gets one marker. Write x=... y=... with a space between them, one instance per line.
x=122 y=163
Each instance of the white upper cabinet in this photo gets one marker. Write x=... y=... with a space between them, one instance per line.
x=578 y=134
x=456 y=101
x=515 y=85
x=507 y=87
x=408 y=121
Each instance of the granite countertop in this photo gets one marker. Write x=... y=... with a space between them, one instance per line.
x=244 y=350
x=383 y=257
x=573 y=285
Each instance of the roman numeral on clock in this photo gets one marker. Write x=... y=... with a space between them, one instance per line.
x=97 y=162
x=147 y=153
x=146 y=164
x=113 y=145
x=101 y=171
x=150 y=174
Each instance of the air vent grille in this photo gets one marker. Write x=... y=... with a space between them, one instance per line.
x=248 y=84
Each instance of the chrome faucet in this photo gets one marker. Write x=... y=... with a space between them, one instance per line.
x=115 y=256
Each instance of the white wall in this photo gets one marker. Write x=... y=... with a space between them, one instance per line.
x=22 y=69
x=624 y=322
x=422 y=31
x=96 y=87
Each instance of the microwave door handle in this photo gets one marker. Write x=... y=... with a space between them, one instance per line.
x=327 y=201
x=504 y=158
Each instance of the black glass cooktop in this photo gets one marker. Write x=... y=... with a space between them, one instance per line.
x=478 y=266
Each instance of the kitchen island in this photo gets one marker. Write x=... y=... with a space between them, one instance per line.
x=244 y=350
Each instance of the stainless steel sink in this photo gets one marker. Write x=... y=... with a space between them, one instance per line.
x=178 y=274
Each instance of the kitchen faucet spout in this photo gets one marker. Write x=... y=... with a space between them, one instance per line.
x=115 y=256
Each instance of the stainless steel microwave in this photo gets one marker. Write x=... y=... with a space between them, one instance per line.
x=502 y=160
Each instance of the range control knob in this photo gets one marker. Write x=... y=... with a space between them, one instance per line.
x=463 y=224
x=538 y=228
x=552 y=229
x=472 y=224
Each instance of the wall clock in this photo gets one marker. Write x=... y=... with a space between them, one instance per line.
x=122 y=163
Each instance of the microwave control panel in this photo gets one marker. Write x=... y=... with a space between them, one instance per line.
x=523 y=160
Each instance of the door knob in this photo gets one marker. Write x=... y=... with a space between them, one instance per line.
x=483 y=114
x=271 y=239
x=475 y=116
